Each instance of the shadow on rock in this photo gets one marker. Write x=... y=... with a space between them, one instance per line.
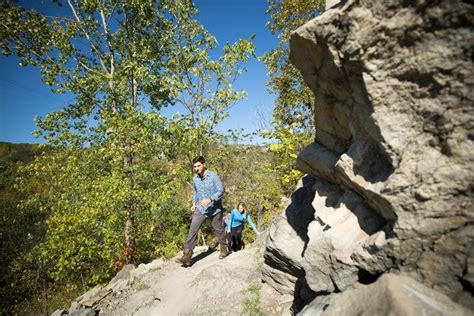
x=300 y=211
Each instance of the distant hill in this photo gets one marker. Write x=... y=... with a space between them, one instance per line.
x=17 y=151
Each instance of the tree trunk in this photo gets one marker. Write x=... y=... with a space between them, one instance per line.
x=130 y=245
x=129 y=230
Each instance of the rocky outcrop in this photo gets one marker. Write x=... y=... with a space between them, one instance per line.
x=389 y=184
x=100 y=298
x=390 y=295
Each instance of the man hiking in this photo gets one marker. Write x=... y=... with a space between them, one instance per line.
x=207 y=203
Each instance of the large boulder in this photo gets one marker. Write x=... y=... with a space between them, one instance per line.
x=391 y=173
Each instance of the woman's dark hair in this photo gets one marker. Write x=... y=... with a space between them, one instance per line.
x=198 y=159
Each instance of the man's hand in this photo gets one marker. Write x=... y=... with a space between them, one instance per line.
x=205 y=202
x=193 y=208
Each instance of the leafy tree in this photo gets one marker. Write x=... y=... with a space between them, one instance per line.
x=117 y=162
x=202 y=85
x=293 y=112
x=86 y=204
x=108 y=68
x=295 y=99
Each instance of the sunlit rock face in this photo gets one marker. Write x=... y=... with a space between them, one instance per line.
x=390 y=176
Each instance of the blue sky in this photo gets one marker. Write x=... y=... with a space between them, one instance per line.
x=23 y=95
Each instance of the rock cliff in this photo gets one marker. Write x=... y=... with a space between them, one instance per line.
x=389 y=184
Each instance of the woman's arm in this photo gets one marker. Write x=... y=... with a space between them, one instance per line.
x=231 y=219
x=252 y=224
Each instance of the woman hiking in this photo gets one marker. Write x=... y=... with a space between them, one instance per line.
x=236 y=224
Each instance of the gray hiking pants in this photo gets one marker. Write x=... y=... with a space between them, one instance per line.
x=196 y=222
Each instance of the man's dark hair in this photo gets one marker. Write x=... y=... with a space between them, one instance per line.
x=198 y=159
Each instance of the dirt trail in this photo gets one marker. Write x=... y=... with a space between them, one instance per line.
x=212 y=286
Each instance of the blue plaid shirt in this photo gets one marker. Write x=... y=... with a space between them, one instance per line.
x=209 y=186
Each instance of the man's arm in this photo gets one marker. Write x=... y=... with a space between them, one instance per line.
x=217 y=195
x=195 y=199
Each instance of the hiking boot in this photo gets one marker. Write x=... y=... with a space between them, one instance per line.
x=224 y=252
x=185 y=260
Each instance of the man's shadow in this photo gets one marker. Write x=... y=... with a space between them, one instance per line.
x=203 y=255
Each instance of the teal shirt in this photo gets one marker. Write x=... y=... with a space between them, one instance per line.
x=236 y=219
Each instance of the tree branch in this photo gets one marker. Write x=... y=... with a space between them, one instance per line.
x=73 y=9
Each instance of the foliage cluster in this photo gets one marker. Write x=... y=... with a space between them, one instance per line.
x=293 y=126
x=252 y=301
